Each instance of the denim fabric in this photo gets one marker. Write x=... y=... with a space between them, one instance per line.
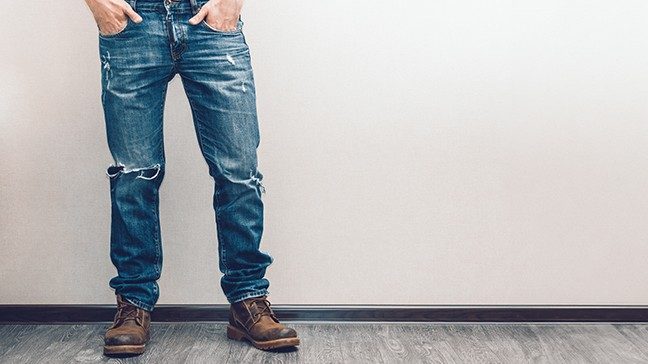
x=137 y=64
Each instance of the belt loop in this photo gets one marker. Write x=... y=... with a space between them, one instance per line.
x=194 y=6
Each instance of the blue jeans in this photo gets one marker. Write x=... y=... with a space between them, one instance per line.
x=137 y=64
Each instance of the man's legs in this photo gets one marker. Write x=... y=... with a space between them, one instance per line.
x=217 y=77
x=136 y=69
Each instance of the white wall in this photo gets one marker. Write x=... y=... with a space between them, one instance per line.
x=414 y=152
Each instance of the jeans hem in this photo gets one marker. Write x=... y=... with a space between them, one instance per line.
x=257 y=293
x=140 y=304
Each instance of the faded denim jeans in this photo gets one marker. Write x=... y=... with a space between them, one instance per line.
x=137 y=64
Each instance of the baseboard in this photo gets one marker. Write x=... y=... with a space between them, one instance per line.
x=50 y=314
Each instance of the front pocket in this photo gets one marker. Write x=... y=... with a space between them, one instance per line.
x=239 y=24
x=128 y=24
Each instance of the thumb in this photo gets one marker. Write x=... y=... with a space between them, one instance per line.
x=132 y=14
x=200 y=15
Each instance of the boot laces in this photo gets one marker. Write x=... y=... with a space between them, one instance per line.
x=266 y=310
x=126 y=312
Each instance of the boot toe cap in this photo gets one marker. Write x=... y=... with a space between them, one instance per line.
x=122 y=339
x=288 y=332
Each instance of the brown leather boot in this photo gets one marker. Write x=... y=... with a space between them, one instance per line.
x=253 y=320
x=130 y=330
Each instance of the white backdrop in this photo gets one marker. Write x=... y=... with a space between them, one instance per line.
x=414 y=152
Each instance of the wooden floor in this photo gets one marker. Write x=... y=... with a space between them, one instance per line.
x=344 y=342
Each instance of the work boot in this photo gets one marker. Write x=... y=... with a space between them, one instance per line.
x=253 y=320
x=130 y=330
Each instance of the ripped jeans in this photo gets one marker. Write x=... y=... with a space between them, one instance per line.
x=137 y=64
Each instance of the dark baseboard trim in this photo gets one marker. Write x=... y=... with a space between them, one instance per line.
x=51 y=314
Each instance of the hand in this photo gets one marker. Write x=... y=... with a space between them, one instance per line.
x=110 y=15
x=219 y=14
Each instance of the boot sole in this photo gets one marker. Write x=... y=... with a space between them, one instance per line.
x=123 y=349
x=235 y=333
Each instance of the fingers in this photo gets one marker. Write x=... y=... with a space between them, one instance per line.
x=200 y=15
x=132 y=14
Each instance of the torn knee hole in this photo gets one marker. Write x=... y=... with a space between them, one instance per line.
x=257 y=179
x=147 y=173
x=261 y=186
x=114 y=171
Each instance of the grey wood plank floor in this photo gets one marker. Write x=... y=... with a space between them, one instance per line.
x=344 y=342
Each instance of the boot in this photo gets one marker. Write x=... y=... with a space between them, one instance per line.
x=130 y=330
x=253 y=320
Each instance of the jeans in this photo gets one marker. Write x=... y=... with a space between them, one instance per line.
x=137 y=64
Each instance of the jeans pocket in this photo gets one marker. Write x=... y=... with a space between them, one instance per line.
x=239 y=27
x=126 y=26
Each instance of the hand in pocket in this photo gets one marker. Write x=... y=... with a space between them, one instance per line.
x=222 y=15
x=112 y=16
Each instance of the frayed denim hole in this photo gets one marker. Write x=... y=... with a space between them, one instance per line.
x=149 y=174
x=114 y=171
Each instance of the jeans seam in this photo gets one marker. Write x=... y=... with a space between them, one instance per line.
x=221 y=241
x=157 y=239
x=158 y=243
